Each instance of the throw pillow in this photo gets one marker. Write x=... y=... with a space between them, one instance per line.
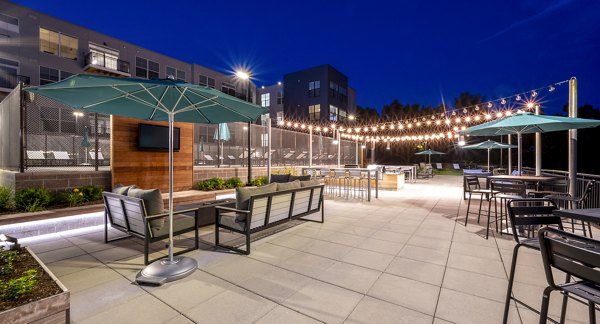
x=280 y=178
x=153 y=203
x=288 y=185
x=243 y=194
x=122 y=190
x=310 y=183
x=301 y=178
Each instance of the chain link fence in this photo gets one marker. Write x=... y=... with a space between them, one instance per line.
x=56 y=136
x=287 y=147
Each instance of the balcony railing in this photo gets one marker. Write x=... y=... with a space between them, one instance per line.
x=107 y=63
x=10 y=81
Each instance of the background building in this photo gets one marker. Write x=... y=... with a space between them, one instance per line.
x=317 y=93
x=39 y=49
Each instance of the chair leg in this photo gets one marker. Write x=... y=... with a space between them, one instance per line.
x=511 y=279
x=592 y=311
x=480 y=205
x=487 y=227
x=563 y=309
x=247 y=243
x=468 y=207
x=545 y=303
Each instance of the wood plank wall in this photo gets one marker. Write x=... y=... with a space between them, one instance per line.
x=147 y=169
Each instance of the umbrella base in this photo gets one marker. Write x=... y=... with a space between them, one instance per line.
x=163 y=271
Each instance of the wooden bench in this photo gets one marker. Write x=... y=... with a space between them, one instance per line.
x=128 y=214
x=267 y=210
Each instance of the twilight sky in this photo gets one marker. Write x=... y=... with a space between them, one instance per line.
x=413 y=51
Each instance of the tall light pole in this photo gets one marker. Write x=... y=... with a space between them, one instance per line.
x=245 y=77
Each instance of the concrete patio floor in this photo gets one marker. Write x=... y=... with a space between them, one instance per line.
x=401 y=258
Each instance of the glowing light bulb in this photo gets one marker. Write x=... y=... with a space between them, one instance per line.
x=457 y=120
x=455 y=128
x=428 y=122
x=498 y=114
x=489 y=105
x=366 y=129
x=332 y=126
x=409 y=125
x=281 y=123
x=374 y=128
x=382 y=127
x=476 y=107
x=400 y=126
x=418 y=123
x=503 y=101
x=518 y=97
x=295 y=125
x=477 y=118
x=508 y=113
x=530 y=105
x=437 y=122
x=447 y=121
x=318 y=129
x=325 y=129
x=533 y=94
x=303 y=126
x=392 y=126
x=465 y=111
x=551 y=88
x=488 y=116
x=289 y=124
x=468 y=119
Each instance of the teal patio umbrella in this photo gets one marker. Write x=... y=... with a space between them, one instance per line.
x=488 y=145
x=429 y=152
x=527 y=123
x=161 y=100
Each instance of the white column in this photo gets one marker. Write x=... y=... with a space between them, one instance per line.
x=538 y=148
x=269 y=149
x=573 y=138
x=310 y=150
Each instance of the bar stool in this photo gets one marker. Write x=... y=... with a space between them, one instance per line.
x=342 y=180
x=359 y=182
x=503 y=190
x=473 y=186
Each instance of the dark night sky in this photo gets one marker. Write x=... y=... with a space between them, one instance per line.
x=413 y=51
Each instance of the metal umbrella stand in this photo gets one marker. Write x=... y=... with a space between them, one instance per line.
x=429 y=152
x=161 y=100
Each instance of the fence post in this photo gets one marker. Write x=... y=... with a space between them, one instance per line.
x=22 y=116
x=96 y=142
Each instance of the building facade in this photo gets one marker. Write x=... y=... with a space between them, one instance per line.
x=318 y=93
x=38 y=49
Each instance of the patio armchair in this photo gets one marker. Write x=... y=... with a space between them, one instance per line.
x=473 y=187
x=36 y=158
x=578 y=257
x=62 y=158
x=526 y=216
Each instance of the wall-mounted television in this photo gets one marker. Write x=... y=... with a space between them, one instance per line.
x=156 y=138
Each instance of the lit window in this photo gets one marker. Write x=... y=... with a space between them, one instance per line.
x=314 y=88
x=59 y=44
x=333 y=113
x=279 y=116
x=279 y=96
x=314 y=112
x=265 y=99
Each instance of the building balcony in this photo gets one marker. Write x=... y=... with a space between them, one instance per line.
x=100 y=63
x=9 y=81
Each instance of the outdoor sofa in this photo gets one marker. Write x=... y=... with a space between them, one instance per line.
x=259 y=208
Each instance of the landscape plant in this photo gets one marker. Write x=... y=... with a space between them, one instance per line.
x=32 y=199
x=6 y=198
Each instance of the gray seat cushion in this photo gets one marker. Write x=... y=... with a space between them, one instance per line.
x=122 y=190
x=233 y=220
x=301 y=178
x=153 y=202
x=179 y=223
x=242 y=194
x=288 y=185
x=309 y=183
x=280 y=178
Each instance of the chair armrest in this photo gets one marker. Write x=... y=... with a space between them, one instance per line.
x=232 y=209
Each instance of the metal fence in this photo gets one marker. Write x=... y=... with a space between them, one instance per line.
x=593 y=200
x=287 y=147
x=10 y=129
x=56 y=136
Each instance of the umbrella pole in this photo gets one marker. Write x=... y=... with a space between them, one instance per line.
x=170 y=269
x=489 y=159
x=519 y=153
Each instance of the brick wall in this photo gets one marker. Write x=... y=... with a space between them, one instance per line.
x=56 y=181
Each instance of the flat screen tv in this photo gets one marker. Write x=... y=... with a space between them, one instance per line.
x=156 y=138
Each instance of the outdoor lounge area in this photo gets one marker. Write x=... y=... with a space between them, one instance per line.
x=406 y=257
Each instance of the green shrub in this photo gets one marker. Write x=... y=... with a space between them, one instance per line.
x=14 y=289
x=233 y=183
x=32 y=199
x=91 y=193
x=259 y=181
x=7 y=261
x=211 y=184
x=6 y=198
x=74 y=197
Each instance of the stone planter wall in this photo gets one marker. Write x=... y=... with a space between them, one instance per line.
x=53 y=309
x=204 y=173
x=55 y=181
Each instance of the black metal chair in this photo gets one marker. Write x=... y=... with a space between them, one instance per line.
x=577 y=256
x=472 y=186
x=568 y=201
x=526 y=216
x=558 y=186
x=503 y=190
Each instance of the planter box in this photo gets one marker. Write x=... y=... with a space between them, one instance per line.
x=53 y=309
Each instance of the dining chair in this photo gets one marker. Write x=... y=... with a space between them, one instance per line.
x=570 y=202
x=503 y=190
x=578 y=257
